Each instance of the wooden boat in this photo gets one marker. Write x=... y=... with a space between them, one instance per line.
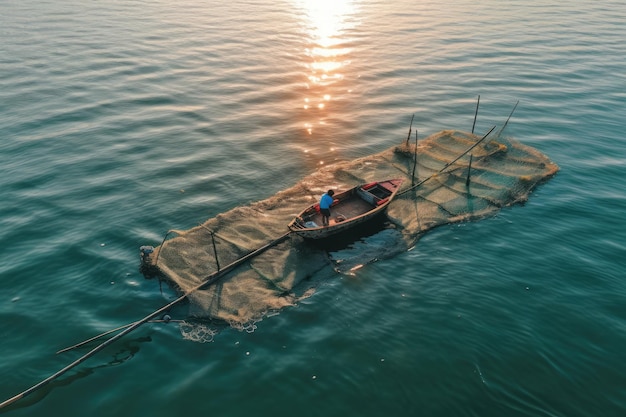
x=350 y=209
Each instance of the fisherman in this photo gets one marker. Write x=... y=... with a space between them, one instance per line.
x=325 y=203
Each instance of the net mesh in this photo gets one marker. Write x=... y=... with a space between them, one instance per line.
x=503 y=173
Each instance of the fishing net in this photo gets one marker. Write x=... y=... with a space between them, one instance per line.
x=503 y=172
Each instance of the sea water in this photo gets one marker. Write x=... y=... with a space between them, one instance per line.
x=121 y=120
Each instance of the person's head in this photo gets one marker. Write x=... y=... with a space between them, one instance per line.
x=331 y=193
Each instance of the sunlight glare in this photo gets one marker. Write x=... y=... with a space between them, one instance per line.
x=326 y=25
x=327 y=18
x=326 y=22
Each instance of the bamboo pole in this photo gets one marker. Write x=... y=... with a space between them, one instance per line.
x=414 y=160
x=469 y=168
x=108 y=332
x=449 y=163
x=410 y=126
x=156 y=260
x=210 y=279
x=507 y=120
x=217 y=261
x=476 y=114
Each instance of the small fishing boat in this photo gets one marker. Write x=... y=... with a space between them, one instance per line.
x=350 y=209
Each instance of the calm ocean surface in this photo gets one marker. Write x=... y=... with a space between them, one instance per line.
x=120 y=120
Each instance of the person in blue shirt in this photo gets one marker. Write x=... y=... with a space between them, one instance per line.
x=325 y=203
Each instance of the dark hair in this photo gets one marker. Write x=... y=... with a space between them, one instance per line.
x=331 y=193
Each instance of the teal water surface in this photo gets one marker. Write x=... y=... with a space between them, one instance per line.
x=121 y=120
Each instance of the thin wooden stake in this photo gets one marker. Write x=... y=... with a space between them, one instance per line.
x=217 y=261
x=410 y=126
x=507 y=120
x=469 y=168
x=414 y=160
x=476 y=114
x=156 y=260
x=448 y=164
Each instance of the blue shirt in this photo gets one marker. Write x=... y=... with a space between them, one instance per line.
x=326 y=201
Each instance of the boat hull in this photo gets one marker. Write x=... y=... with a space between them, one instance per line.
x=351 y=210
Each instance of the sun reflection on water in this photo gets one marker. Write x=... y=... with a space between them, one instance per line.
x=326 y=23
